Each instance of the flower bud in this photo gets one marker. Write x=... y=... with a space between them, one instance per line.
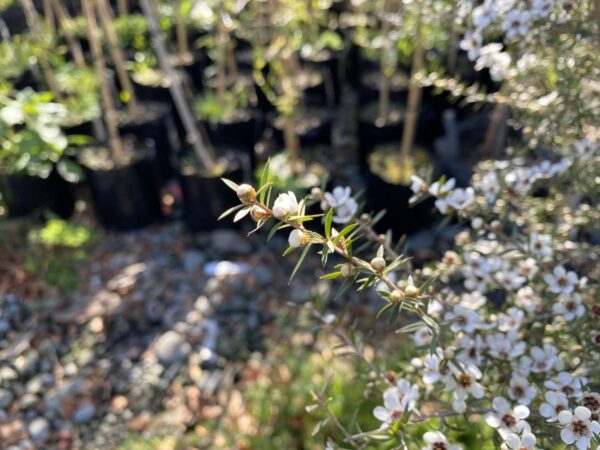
x=477 y=223
x=246 y=193
x=449 y=352
x=257 y=213
x=410 y=289
x=378 y=264
x=298 y=238
x=496 y=225
x=347 y=270
x=396 y=296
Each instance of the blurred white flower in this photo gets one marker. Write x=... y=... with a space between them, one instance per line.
x=436 y=440
x=285 y=205
x=554 y=403
x=578 y=429
x=342 y=202
x=561 y=281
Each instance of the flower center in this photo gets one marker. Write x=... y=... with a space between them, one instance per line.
x=570 y=306
x=558 y=408
x=396 y=415
x=464 y=380
x=439 y=446
x=591 y=402
x=509 y=420
x=518 y=391
x=568 y=390
x=562 y=282
x=579 y=427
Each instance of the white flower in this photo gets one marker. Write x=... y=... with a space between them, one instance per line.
x=462 y=384
x=505 y=346
x=541 y=359
x=441 y=190
x=471 y=43
x=463 y=319
x=521 y=391
x=516 y=23
x=298 y=238
x=484 y=15
x=433 y=371
x=493 y=58
x=436 y=440
x=460 y=199
x=507 y=420
x=567 y=383
x=527 y=299
x=591 y=401
x=541 y=8
x=473 y=300
x=396 y=401
x=578 y=428
x=489 y=186
x=540 y=245
x=417 y=184
x=422 y=336
x=342 y=202
x=526 y=441
x=285 y=205
x=561 y=281
x=12 y=114
x=511 y=320
x=471 y=350
x=569 y=307
x=554 y=404
x=528 y=267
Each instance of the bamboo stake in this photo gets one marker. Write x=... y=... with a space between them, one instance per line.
x=117 y=57
x=67 y=28
x=204 y=155
x=33 y=22
x=414 y=94
x=182 y=37
x=110 y=116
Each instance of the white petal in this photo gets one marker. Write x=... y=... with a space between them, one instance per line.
x=583 y=413
x=565 y=417
x=521 y=412
x=567 y=436
x=381 y=413
x=492 y=420
x=500 y=404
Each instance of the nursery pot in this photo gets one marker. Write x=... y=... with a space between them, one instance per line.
x=313 y=127
x=127 y=196
x=242 y=133
x=400 y=217
x=206 y=197
x=156 y=124
x=25 y=194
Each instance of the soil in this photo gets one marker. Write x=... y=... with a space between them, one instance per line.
x=386 y=163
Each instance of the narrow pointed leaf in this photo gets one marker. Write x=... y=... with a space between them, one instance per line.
x=300 y=261
x=233 y=186
x=230 y=210
x=241 y=214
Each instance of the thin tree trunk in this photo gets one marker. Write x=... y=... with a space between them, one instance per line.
x=117 y=57
x=110 y=115
x=67 y=29
x=384 y=83
x=123 y=7
x=497 y=130
x=221 y=62
x=414 y=95
x=204 y=155
x=182 y=37
x=48 y=13
x=291 y=140
x=33 y=22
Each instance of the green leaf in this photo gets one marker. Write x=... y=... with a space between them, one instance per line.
x=345 y=231
x=394 y=315
x=274 y=230
x=231 y=184
x=289 y=250
x=264 y=179
x=410 y=328
x=263 y=187
x=241 y=214
x=380 y=251
x=229 y=211
x=300 y=261
x=328 y=220
x=344 y=287
x=383 y=310
x=331 y=276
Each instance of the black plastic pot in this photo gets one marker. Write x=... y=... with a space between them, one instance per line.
x=206 y=197
x=127 y=197
x=400 y=217
x=368 y=88
x=25 y=194
x=319 y=134
x=242 y=134
x=160 y=128
x=326 y=93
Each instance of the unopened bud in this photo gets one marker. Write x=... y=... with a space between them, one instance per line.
x=347 y=269
x=257 y=213
x=410 y=289
x=477 y=223
x=496 y=225
x=396 y=296
x=298 y=238
x=449 y=352
x=378 y=264
x=246 y=193
x=316 y=193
